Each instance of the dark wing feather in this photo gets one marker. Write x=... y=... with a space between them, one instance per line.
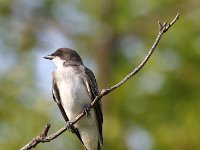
x=56 y=97
x=93 y=91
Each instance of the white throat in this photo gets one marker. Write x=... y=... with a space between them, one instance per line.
x=58 y=62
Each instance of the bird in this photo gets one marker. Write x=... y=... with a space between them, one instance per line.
x=74 y=87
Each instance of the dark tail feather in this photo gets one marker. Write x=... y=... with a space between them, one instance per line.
x=99 y=146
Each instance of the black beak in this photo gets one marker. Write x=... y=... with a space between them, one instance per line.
x=48 y=57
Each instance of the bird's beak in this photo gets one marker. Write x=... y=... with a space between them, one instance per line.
x=50 y=57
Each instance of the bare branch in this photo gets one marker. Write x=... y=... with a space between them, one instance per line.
x=43 y=138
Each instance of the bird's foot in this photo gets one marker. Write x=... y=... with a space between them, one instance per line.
x=70 y=127
x=86 y=110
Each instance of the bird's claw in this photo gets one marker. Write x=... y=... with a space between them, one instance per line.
x=70 y=126
x=86 y=110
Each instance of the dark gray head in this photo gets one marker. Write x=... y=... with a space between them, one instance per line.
x=65 y=57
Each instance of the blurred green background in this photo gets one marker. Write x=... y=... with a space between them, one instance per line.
x=158 y=109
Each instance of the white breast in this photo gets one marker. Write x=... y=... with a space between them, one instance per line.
x=73 y=93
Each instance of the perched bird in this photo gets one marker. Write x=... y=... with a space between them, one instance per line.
x=74 y=88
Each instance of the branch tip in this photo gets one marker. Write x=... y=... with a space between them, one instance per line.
x=177 y=16
x=159 y=24
x=165 y=23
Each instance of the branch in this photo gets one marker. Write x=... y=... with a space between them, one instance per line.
x=43 y=138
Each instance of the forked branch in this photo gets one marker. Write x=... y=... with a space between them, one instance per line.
x=43 y=137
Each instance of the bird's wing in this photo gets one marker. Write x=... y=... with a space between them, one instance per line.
x=56 y=97
x=93 y=91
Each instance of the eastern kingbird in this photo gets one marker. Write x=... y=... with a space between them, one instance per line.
x=74 y=88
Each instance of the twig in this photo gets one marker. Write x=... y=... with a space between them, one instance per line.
x=43 y=138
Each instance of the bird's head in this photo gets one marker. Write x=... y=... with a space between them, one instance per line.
x=65 y=57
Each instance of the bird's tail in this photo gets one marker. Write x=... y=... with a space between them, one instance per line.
x=99 y=147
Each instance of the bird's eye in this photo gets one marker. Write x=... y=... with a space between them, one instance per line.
x=59 y=53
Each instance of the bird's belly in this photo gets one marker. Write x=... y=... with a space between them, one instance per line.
x=74 y=97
